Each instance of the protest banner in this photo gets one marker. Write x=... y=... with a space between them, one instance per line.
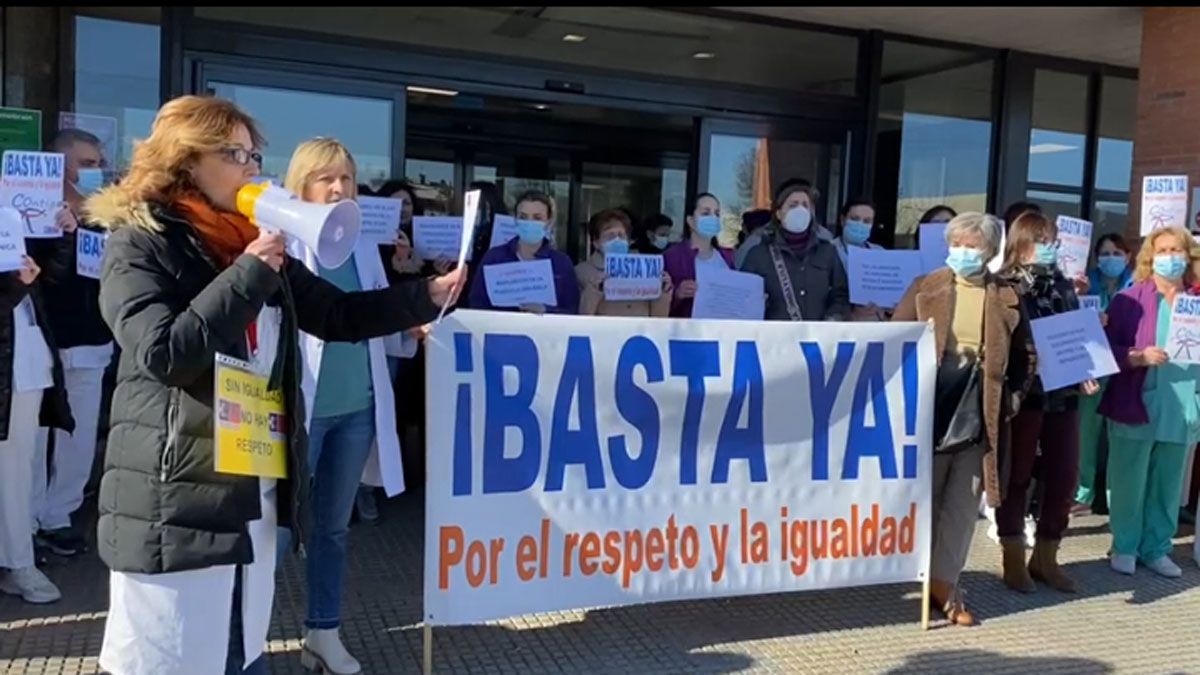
x=632 y=276
x=881 y=277
x=520 y=283
x=12 y=240
x=32 y=183
x=1071 y=347
x=726 y=294
x=596 y=463
x=1074 y=245
x=89 y=252
x=380 y=219
x=1183 y=335
x=1164 y=202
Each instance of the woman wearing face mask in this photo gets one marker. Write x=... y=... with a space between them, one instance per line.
x=1111 y=275
x=351 y=415
x=1152 y=408
x=654 y=234
x=974 y=318
x=855 y=223
x=802 y=275
x=397 y=257
x=186 y=276
x=699 y=247
x=939 y=214
x=535 y=226
x=609 y=233
x=1049 y=419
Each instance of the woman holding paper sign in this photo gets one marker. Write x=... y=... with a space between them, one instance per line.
x=802 y=275
x=187 y=277
x=699 y=247
x=1152 y=407
x=1046 y=418
x=855 y=223
x=610 y=231
x=974 y=317
x=535 y=223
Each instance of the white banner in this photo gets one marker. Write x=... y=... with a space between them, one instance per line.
x=580 y=462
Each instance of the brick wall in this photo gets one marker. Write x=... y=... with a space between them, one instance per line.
x=1167 y=138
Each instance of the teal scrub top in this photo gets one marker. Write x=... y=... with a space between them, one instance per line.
x=344 y=383
x=1170 y=396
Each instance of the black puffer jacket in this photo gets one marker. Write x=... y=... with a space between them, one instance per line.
x=55 y=412
x=162 y=506
x=73 y=301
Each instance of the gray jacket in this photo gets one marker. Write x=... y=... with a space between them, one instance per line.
x=817 y=277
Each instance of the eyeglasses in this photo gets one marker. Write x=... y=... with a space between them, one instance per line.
x=242 y=156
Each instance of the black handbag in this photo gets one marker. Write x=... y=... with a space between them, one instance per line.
x=958 y=412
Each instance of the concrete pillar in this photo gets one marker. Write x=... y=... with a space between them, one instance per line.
x=1167 y=138
x=31 y=70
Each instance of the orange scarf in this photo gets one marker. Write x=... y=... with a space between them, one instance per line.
x=225 y=234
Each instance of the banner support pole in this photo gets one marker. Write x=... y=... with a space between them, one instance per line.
x=427 y=649
x=925 y=590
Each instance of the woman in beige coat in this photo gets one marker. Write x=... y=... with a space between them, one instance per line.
x=610 y=232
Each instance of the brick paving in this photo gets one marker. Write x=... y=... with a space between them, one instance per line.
x=1143 y=624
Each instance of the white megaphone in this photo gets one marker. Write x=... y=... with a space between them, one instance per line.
x=329 y=230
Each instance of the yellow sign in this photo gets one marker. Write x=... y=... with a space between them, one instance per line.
x=250 y=425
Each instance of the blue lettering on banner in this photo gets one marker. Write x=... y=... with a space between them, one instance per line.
x=1188 y=305
x=1165 y=184
x=510 y=372
x=33 y=165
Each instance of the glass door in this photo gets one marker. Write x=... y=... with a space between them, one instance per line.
x=742 y=163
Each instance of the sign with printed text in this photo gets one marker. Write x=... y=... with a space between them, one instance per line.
x=380 y=218
x=1071 y=348
x=12 y=240
x=881 y=277
x=526 y=282
x=1089 y=302
x=438 y=237
x=934 y=248
x=1164 y=202
x=249 y=422
x=726 y=294
x=1074 y=245
x=32 y=183
x=20 y=129
x=1183 y=338
x=598 y=463
x=89 y=252
x=504 y=228
x=632 y=276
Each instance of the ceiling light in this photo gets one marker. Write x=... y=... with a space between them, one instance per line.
x=574 y=37
x=540 y=106
x=433 y=92
x=704 y=55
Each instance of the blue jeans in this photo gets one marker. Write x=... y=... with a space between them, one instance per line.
x=337 y=452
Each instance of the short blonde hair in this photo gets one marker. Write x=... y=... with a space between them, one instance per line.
x=1145 y=257
x=313 y=156
x=183 y=129
x=985 y=225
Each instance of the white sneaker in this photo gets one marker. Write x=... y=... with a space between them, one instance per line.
x=31 y=585
x=324 y=652
x=1124 y=564
x=1166 y=567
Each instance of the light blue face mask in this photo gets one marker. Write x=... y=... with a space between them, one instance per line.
x=616 y=247
x=660 y=243
x=966 y=262
x=1112 y=266
x=856 y=232
x=1170 y=266
x=90 y=181
x=531 y=231
x=708 y=226
x=1045 y=254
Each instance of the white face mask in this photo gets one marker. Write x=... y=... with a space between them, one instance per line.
x=797 y=220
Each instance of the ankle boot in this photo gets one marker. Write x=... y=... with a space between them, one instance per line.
x=947 y=599
x=324 y=653
x=1016 y=576
x=1043 y=566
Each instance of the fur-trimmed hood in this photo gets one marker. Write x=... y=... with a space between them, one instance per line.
x=112 y=208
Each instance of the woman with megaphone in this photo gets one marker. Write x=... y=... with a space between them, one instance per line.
x=207 y=309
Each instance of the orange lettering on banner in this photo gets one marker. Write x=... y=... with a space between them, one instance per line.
x=527 y=556
x=654 y=550
x=450 y=552
x=569 y=543
x=612 y=551
x=589 y=549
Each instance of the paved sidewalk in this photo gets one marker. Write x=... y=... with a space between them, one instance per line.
x=1143 y=624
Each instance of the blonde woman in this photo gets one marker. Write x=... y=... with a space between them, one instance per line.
x=349 y=402
x=1152 y=406
x=186 y=277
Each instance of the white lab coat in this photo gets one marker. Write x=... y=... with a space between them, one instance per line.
x=384 y=466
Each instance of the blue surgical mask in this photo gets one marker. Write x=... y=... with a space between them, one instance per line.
x=966 y=262
x=1170 y=266
x=90 y=181
x=856 y=232
x=1112 y=266
x=531 y=231
x=708 y=226
x=1045 y=254
x=661 y=243
x=616 y=247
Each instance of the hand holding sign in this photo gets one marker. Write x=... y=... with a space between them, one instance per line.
x=29 y=270
x=444 y=290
